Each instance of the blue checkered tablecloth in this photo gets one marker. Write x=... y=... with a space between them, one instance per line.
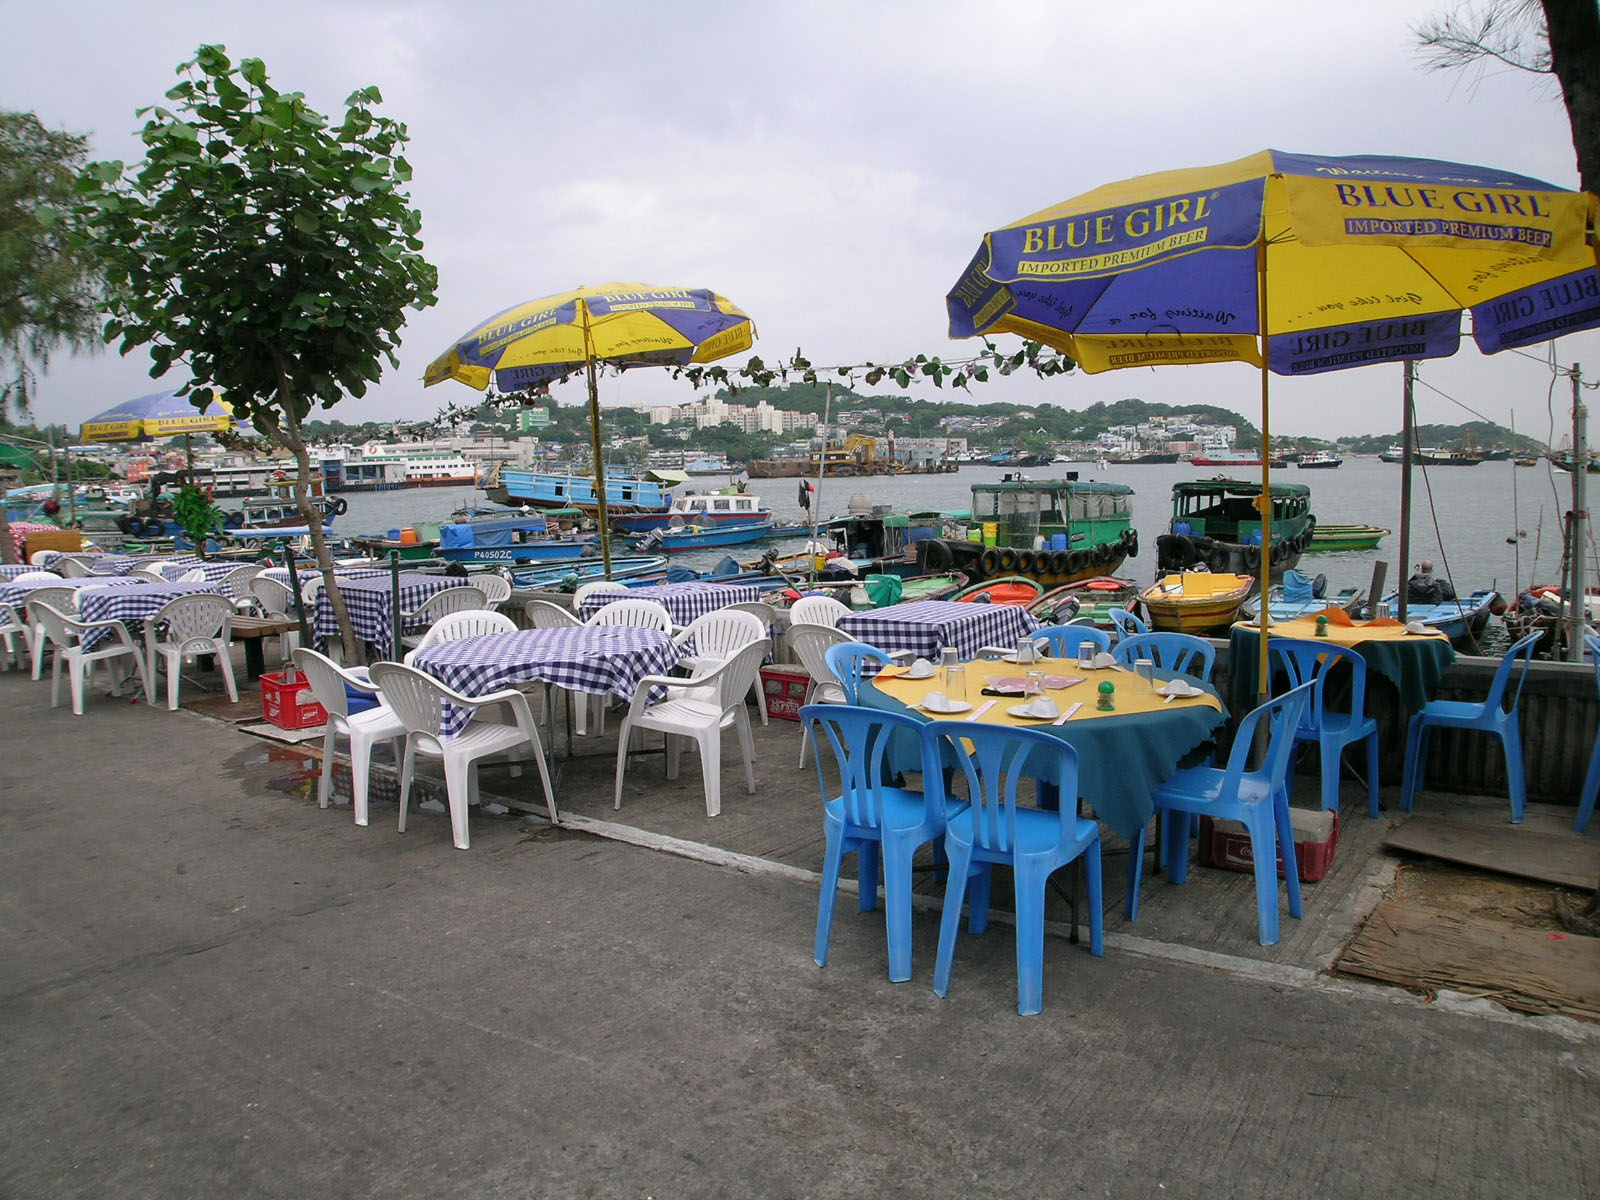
x=213 y=571
x=685 y=601
x=604 y=660
x=12 y=570
x=369 y=605
x=17 y=593
x=925 y=627
x=111 y=564
x=281 y=574
x=132 y=604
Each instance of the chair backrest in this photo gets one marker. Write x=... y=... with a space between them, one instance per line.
x=43 y=558
x=589 y=589
x=542 y=614
x=1128 y=623
x=158 y=567
x=418 y=699
x=496 y=589
x=310 y=584
x=1284 y=715
x=739 y=674
x=37 y=577
x=995 y=760
x=238 y=580
x=723 y=633
x=759 y=609
x=1518 y=657
x=860 y=740
x=57 y=625
x=451 y=600
x=273 y=596
x=811 y=644
x=635 y=613
x=326 y=680
x=847 y=664
x=1182 y=652
x=453 y=627
x=817 y=610
x=71 y=568
x=200 y=616
x=193 y=575
x=62 y=599
x=145 y=575
x=1062 y=641
x=1303 y=660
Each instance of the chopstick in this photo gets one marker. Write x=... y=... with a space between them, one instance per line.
x=1067 y=716
x=983 y=708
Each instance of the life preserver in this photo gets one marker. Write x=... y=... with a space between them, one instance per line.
x=938 y=556
x=1008 y=560
x=1251 y=557
x=989 y=561
x=1217 y=561
x=233 y=520
x=1104 y=585
x=337 y=505
x=1058 y=562
x=1077 y=562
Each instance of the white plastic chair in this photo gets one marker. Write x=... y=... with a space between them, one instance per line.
x=66 y=636
x=64 y=600
x=818 y=610
x=634 y=614
x=589 y=589
x=496 y=589
x=441 y=604
x=364 y=729
x=11 y=625
x=717 y=637
x=237 y=582
x=700 y=711
x=71 y=568
x=810 y=644
x=192 y=575
x=158 y=568
x=38 y=577
x=186 y=628
x=419 y=700
x=274 y=599
x=542 y=614
x=477 y=622
x=43 y=558
x=145 y=575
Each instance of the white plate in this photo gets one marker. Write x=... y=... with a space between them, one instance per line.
x=1188 y=690
x=928 y=674
x=1023 y=711
x=956 y=706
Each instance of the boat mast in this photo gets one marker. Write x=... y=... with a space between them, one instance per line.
x=822 y=462
x=1576 y=608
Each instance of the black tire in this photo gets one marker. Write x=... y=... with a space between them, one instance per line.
x=1276 y=555
x=1217 y=561
x=1252 y=558
x=1008 y=560
x=989 y=561
x=153 y=527
x=1058 y=562
x=1077 y=562
x=937 y=556
x=338 y=506
x=125 y=524
x=1025 y=562
x=1133 y=543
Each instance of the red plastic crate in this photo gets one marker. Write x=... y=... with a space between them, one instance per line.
x=1316 y=836
x=785 y=687
x=287 y=701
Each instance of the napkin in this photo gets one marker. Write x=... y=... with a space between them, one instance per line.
x=1336 y=616
x=1177 y=687
x=1103 y=660
x=1417 y=627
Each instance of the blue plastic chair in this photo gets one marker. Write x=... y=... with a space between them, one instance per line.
x=1062 y=641
x=847 y=661
x=1259 y=799
x=1307 y=661
x=872 y=817
x=1490 y=716
x=1179 y=652
x=994 y=828
x=1591 y=781
x=1128 y=624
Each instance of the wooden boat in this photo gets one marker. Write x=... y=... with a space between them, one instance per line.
x=1012 y=589
x=1196 y=601
x=1052 y=531
x=678 y=539
x=1301 y=596
x=633 y=570
x=1461 y=620
x=1092 y=598
x=1215 y=522
x=505 y=538
x=1340 y=539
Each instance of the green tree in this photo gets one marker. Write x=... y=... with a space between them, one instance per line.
x=47 y=285
x=272 y=253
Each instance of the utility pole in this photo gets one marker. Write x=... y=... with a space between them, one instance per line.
x=1577 y=609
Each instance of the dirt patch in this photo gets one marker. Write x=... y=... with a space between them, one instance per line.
x=1427 y=883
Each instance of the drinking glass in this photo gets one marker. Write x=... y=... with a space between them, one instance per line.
x=955 y=683
x=1027 y=652
x=1145 y=669
x=1085 y=656
x=949 y=660
x=1032 y=686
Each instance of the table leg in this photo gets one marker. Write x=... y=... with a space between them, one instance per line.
x=254 y=658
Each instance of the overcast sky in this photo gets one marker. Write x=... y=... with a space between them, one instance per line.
x=830 y=167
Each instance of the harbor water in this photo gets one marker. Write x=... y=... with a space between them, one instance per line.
x=1477 y=518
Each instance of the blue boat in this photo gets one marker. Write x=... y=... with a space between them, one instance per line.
x=511 y=538
x=634 y=571
x=698 y=537
x=1462 y=620
x=554 y=489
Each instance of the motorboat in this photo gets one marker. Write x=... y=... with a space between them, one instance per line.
x=1217 y=523
x=1197 y=602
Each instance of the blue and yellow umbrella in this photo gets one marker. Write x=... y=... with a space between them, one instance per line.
x=159 y=415
x=621 y=324
x=1294 y=263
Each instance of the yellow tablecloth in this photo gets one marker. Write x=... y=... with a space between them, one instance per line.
x=1133 y=695
x=1413 y=662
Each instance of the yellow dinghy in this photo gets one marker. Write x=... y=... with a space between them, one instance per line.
x=1196 y=601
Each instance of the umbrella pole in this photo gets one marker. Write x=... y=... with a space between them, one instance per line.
x=1264 y=580
x=594 y=441
x=1407 y=434
x=816 y=501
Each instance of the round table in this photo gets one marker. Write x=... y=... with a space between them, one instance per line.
x=1413 y=662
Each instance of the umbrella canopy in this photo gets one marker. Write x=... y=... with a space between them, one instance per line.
x=162 y=414
x=1361 y=259
x=1295 y=263
x=622 y=324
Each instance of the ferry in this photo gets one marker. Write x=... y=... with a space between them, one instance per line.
x=1319 y=460
x=1220 y=454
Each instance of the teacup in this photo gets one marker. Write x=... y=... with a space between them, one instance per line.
x=1045 y=707
x=937 y=701
x=1103 y=660
x=920 y=668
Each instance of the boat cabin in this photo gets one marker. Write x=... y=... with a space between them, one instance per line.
x=1065 y=513
x=737 y=508
x=1225 y=510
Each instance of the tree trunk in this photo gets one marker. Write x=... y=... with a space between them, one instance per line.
x=313 y=519
x=8 y=549
x=1574 y=31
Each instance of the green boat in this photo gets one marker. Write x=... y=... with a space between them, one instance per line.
x=1340 y=539
x=1217 y=523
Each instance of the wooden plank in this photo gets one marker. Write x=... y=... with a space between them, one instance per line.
x=1529 y=970
x=1567 y=860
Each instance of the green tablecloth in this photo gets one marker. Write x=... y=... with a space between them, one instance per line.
x=1413 y=665
x=1121 y=758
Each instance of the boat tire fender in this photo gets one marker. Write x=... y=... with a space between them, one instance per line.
x=1217 y=562
x=1008 y=559
x=989 y=561
x=1252 y=558
x=337 y=505
x=153 y=527
x=125 y=524
x=1319 y=587
x=1133 y=543
x=1059 y=560
x=938 y=556
x=1077 y=562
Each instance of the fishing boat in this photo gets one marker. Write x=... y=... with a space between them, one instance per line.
x=1394 y=454
x=1092 y=599
x=1340 y=539
x=1011 y=589
x=1052 y=531
x=1197 y=602
x=1216 y=522
x=633 y=570
x=1318 y=460
x=650 y=493
x=1562 y=461
x=1217 y=453
x=678 y=538
x=1461 y=620
x=1301 y=595
x=880 y=591
x=507 y=538
x=1439 y=456
x=730 y=506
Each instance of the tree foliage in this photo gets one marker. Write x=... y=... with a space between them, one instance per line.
x=272 y=253
x=48 y=292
